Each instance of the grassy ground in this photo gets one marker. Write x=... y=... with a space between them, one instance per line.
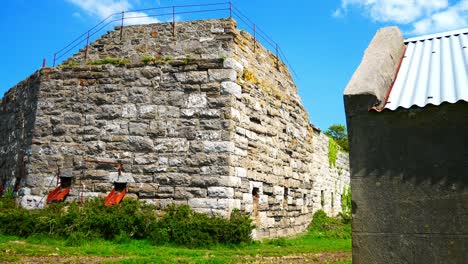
x=304 y=249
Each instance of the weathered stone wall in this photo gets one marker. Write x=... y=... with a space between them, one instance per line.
x=330 y=181
x=210 y=39
x=408 y=169
x=210 y=123
x=17 y=119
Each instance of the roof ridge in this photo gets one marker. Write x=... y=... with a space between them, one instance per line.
x=438 y=35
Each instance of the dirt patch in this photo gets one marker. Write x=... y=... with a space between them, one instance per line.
x=325 y=257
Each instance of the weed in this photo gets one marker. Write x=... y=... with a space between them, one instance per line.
x=222 y=58
x=113 y=61
x=167 y=58
x=8 y=193
x=147 y=59
x=187 y=60
x=71 y=63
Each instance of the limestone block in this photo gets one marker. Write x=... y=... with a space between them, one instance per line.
x=203 y=203
x=247 y=198
x=138 y=143
x=208 y=135
x=171 y=145
x=278 y=190
x=137 y=129
x=165 y=111
x=125 y=177
x=233 y=88
x=196 y=100
x=218 y=146
x=215 y=29
x=146 y=111
x=221 y=75
x=129 y=111
x=32 y=202
x=299 y=202
x=151 y=72
x=230 y=181
x=228 y=204
x=189 y=192
x=240 y=172
x=230 y=63
x=192 y=77
x=72 y=119
x=189 y=112
x=221 y=192
x=263 y=199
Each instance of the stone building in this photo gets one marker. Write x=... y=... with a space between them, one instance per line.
x=199 y=117
x=407 y=111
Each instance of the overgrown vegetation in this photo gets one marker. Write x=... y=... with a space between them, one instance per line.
x=338 y=133
x=323 y=226
x=114 y=61
x=346 y=205
x=129 y=220
x=166 y=236
x=332 y=152
x=70 y=63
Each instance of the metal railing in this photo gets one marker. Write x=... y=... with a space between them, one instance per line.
x=221 y=10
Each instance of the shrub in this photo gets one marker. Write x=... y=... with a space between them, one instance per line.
x=129 y=220
x=329 y=227
x=181 y=225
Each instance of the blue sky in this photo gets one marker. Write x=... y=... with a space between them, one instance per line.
x=323 y=40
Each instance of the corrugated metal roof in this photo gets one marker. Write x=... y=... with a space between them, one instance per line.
x=434 y=69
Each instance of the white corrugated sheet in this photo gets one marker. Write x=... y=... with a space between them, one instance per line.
x=433 y=70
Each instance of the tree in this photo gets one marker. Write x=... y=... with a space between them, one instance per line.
x=338 y=133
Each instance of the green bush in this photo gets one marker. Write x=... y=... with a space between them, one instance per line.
x=181 y=225
x=129 y=220
x=329 y=227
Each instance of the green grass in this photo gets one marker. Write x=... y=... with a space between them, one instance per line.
x=13 y=248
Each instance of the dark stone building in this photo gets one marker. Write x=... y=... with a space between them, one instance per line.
x=407 y=116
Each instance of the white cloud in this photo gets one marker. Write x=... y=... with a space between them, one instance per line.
x=422 y=16
x=105 y=8
x=453 y=17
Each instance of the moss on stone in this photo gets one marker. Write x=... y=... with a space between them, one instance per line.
x=332 y=152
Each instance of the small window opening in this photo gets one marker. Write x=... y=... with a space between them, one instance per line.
x=286 y=192
x=332 y=200
x=255 y=192
x=65 y=182
x=120 y=186
x=255 y=120
x=322 y=198
x=304 y=197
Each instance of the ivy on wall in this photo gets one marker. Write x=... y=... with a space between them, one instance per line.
x=332 y=152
